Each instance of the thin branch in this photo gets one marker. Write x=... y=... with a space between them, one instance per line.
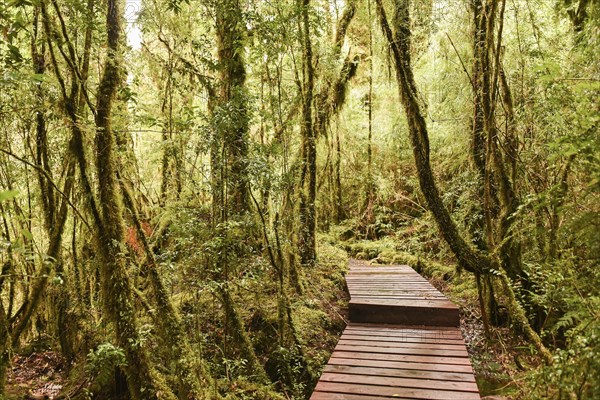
x=461 y=62
x=43 y=171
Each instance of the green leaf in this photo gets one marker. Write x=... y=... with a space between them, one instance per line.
x=15 y=53
x=27 y=234
x=37 y=77
x=8 y=195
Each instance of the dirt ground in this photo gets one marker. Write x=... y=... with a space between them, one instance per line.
x=37 y=376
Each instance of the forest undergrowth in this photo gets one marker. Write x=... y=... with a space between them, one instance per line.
x=500 y=362
x=319 y=315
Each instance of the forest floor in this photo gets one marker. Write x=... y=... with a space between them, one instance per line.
x=500 y=361
x=40 y=375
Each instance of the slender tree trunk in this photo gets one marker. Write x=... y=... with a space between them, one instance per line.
x=309 y=186
x=55 y=215
x=4 y=347
x=339 y=200
x=143 y=380
x=496 y=168
x=172 y=331
x=232 y=117
x=367 y=215
x=167 y=136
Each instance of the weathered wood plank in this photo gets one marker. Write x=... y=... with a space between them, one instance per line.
x=402 y=339
x=399 y=382
x=421 y=358
x=397 y=327
x=347 y=396
x=407 y=349
x=402 y=344
x=433 y=334
x=423 y=312
x=406 y=365
x=401 y=373
x=394 y=392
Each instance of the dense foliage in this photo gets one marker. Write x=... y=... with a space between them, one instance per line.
x=181 y=184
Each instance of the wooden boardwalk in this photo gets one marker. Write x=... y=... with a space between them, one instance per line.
x=403 y=341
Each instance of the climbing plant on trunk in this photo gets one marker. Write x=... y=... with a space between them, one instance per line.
x=143 y=380
x=468 y=257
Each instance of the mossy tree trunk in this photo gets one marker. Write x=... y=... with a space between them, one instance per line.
x=308 y=178
x=468 y=257
x=495 y=158
x=478 y=144
x=54 y=208
x=4 y=347
x=175 y=341
x=229 y=158
x=170 y=175
x=482 y=228
x=230 y=115
x=143 y=380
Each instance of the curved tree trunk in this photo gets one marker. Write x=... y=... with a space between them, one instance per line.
x=468 y=257
x=174 y=336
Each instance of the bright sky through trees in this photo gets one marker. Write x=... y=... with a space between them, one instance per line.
x=134 y=34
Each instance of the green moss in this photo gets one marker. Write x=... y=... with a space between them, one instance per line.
x=242 y=389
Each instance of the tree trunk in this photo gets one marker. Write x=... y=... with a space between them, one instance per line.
x=4 y=347
x=232 y=119
x=143 y=380
x=308 y=192
x=469 y=258
x=171 y=328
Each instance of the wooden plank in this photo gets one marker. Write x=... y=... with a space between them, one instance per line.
x=390 y=291
x=406 y=300
x=402 y=339
x=374 y=287
x=346 y=396
x=394 y=392
x=391 y=330
x=381 y=273
x=401 y=373
x=426 y=336
x=399 y=312
x=413 y=332
x=407 y=349
x=420 y=358
x=394 y=292
x=399 y=345
x=423 y=303
x=406 y=365
x=399 y=382
x=400 y=327
x=357 y=291
x=392 y=277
